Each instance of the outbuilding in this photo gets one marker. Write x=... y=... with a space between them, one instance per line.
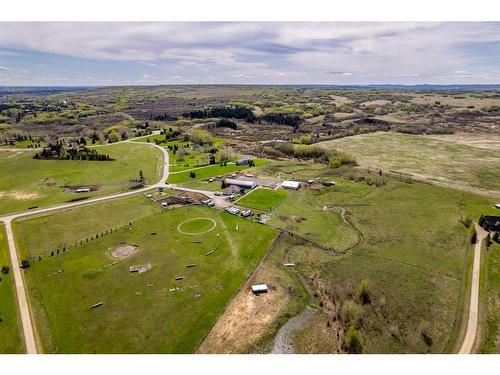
x=259 y=288
x=294 y=185
x=241 y=183
x=490 y=223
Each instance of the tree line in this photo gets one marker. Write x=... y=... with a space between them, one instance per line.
x=57 y=151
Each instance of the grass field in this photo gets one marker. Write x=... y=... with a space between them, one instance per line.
x=491 y=305
x=263 y=199
x=302 y=213
x=46 y=233
x=142 y=313
x=446 y=162
x=413 y=255
x=27 y=182
x=191 y=158
x=10 y=341
x=24 y=144
x=209 y=171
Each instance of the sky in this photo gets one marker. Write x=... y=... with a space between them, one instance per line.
x=343 y=53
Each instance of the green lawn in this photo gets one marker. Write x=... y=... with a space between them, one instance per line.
x=263 y=199
x=142 y=313
x=27 y=182
x=491 y=276
x=302 y=213
x=24 y=144
x=189 y=159
x=10 y=340
x=209 y=171
x=414 y=256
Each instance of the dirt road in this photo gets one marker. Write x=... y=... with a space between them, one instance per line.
x=470 y=335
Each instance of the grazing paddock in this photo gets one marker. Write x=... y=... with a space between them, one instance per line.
x=301 y=213
x=10 y=329
x=168 y=308
x=414 y=255
x=263 y=199
x=28 y=182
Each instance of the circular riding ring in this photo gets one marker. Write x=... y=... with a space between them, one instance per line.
x=214 y=224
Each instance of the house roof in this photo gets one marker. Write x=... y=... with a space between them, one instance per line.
x=291 y=184
x=490 y=222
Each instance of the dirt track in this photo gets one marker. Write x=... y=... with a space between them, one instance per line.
x=470 y=335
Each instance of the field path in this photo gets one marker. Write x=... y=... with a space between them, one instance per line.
x=470 y=335
x=22 y=300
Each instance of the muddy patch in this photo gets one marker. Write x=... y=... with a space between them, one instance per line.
x=123 y=251
x=19 y=195
x=80 y=188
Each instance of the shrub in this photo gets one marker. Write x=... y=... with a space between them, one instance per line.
x=5 y=270
x=226 y=124
x=335 y=163
x=363 y=293
x=351 y=312
x=473 y=235
x=352 y=341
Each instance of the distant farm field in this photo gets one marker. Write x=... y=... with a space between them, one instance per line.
x=26 y=182
x=148 y=312
x=263 y=199
x=10 y=340
x=447 y=162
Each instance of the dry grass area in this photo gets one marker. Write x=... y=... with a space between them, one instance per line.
x=457 y=101
x=246 y=319
x=487 y=141
x=250 y=322
x=339 y=100
x=378 y=102
x=459 y=161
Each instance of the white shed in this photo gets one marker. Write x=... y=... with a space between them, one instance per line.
x=295 y=185
x=259 y=288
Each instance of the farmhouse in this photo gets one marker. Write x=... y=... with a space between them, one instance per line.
x=244 y=161
x=490 y=223
x=259 y=288
x=294 y=185
x=241 y=183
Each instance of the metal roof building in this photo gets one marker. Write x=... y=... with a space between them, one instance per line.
x=259 y=288
x=295 y=185
x=241 y=183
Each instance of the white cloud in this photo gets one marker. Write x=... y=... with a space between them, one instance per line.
x=305 y=52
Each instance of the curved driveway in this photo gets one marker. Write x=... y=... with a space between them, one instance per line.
x=470 y=335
